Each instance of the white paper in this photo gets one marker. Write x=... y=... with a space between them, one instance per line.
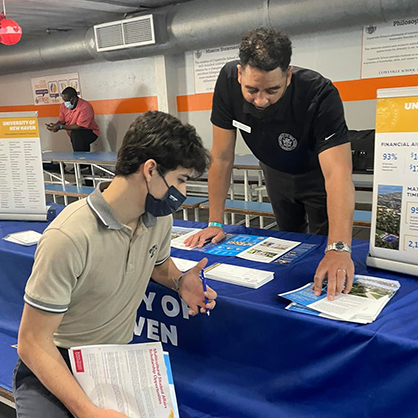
x=131 y=379
x=268 y=250
x=26 y=238
x=182 y=264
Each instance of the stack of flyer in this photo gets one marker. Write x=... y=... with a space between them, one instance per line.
x=241 y=276
x=26 y=238
x=368 y=296
x=135 y=379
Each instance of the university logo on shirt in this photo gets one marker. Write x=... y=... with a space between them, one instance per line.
x=152 y=251
x=287 y=142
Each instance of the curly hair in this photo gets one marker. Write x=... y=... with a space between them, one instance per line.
x=164 y=138
x=265 y=49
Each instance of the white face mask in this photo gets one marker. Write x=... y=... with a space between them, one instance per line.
x=68 y=105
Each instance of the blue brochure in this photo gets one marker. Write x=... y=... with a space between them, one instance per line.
x=235 y=245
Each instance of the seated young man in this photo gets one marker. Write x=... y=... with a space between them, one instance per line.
x=93 y=264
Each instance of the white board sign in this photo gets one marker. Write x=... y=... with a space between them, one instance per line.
x=208 y=63
x=390 y=49
x=22 y=187
x=47 y=89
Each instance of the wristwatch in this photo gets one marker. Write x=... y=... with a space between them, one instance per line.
x=338 y=246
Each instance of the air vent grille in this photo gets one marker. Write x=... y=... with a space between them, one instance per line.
x=127 y=33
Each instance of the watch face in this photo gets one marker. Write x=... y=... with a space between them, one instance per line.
x=339 y=246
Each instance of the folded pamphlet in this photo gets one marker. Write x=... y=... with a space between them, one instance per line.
x=367 y=298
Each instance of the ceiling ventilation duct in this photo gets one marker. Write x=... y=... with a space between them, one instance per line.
x=201 y=24
x=128 y=33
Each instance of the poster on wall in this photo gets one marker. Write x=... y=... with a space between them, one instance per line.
x=47 y=89
x=394 y=230
x=208 y=63
x=22 y=187
x=390 y=49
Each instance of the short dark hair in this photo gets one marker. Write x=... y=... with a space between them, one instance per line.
x=69 y=91
x=265 y=49
x=164 y=138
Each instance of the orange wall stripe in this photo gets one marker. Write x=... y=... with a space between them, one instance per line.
x=101 y=107
x=194 y=102
x=352 y=90
x=366 y=89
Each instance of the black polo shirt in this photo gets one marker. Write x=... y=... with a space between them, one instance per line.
x=307 y=120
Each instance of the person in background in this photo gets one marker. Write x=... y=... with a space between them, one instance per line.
x=77 y=118
x=293 y=121
x=93 y=264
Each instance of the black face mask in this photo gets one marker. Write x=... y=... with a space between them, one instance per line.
x=169 y=204
x=268 y=113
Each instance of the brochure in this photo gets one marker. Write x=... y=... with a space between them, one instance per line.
x=268 y=250
x=235 y=245
x=132 y=379
x=368 y=296
x=296 y=253
x=180 y=234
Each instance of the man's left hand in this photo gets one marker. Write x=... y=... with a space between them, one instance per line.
x=191 y=290
x=338 y=267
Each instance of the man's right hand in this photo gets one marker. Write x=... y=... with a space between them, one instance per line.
x=213 y=233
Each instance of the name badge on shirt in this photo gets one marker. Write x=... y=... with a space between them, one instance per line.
x=241 y=126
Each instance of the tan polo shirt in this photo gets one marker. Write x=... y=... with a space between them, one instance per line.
x=95 y=270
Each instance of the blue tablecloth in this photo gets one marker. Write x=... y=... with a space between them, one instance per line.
x=251 y=357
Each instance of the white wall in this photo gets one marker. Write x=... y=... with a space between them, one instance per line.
x=335 y=54
x=99 y=81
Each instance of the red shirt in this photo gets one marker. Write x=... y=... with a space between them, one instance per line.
x=82 y=115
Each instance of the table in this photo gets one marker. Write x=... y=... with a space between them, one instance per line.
x=251 y=357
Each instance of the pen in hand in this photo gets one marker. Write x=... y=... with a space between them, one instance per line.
x=203 y=278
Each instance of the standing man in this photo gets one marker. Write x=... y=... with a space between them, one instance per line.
x=93 y=264
x=77 y=118
x=292 y=119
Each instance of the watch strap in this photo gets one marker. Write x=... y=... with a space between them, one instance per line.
x=338 y=246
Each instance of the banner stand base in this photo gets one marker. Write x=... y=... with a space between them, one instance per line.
x=396 y=266
x=47 y=216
